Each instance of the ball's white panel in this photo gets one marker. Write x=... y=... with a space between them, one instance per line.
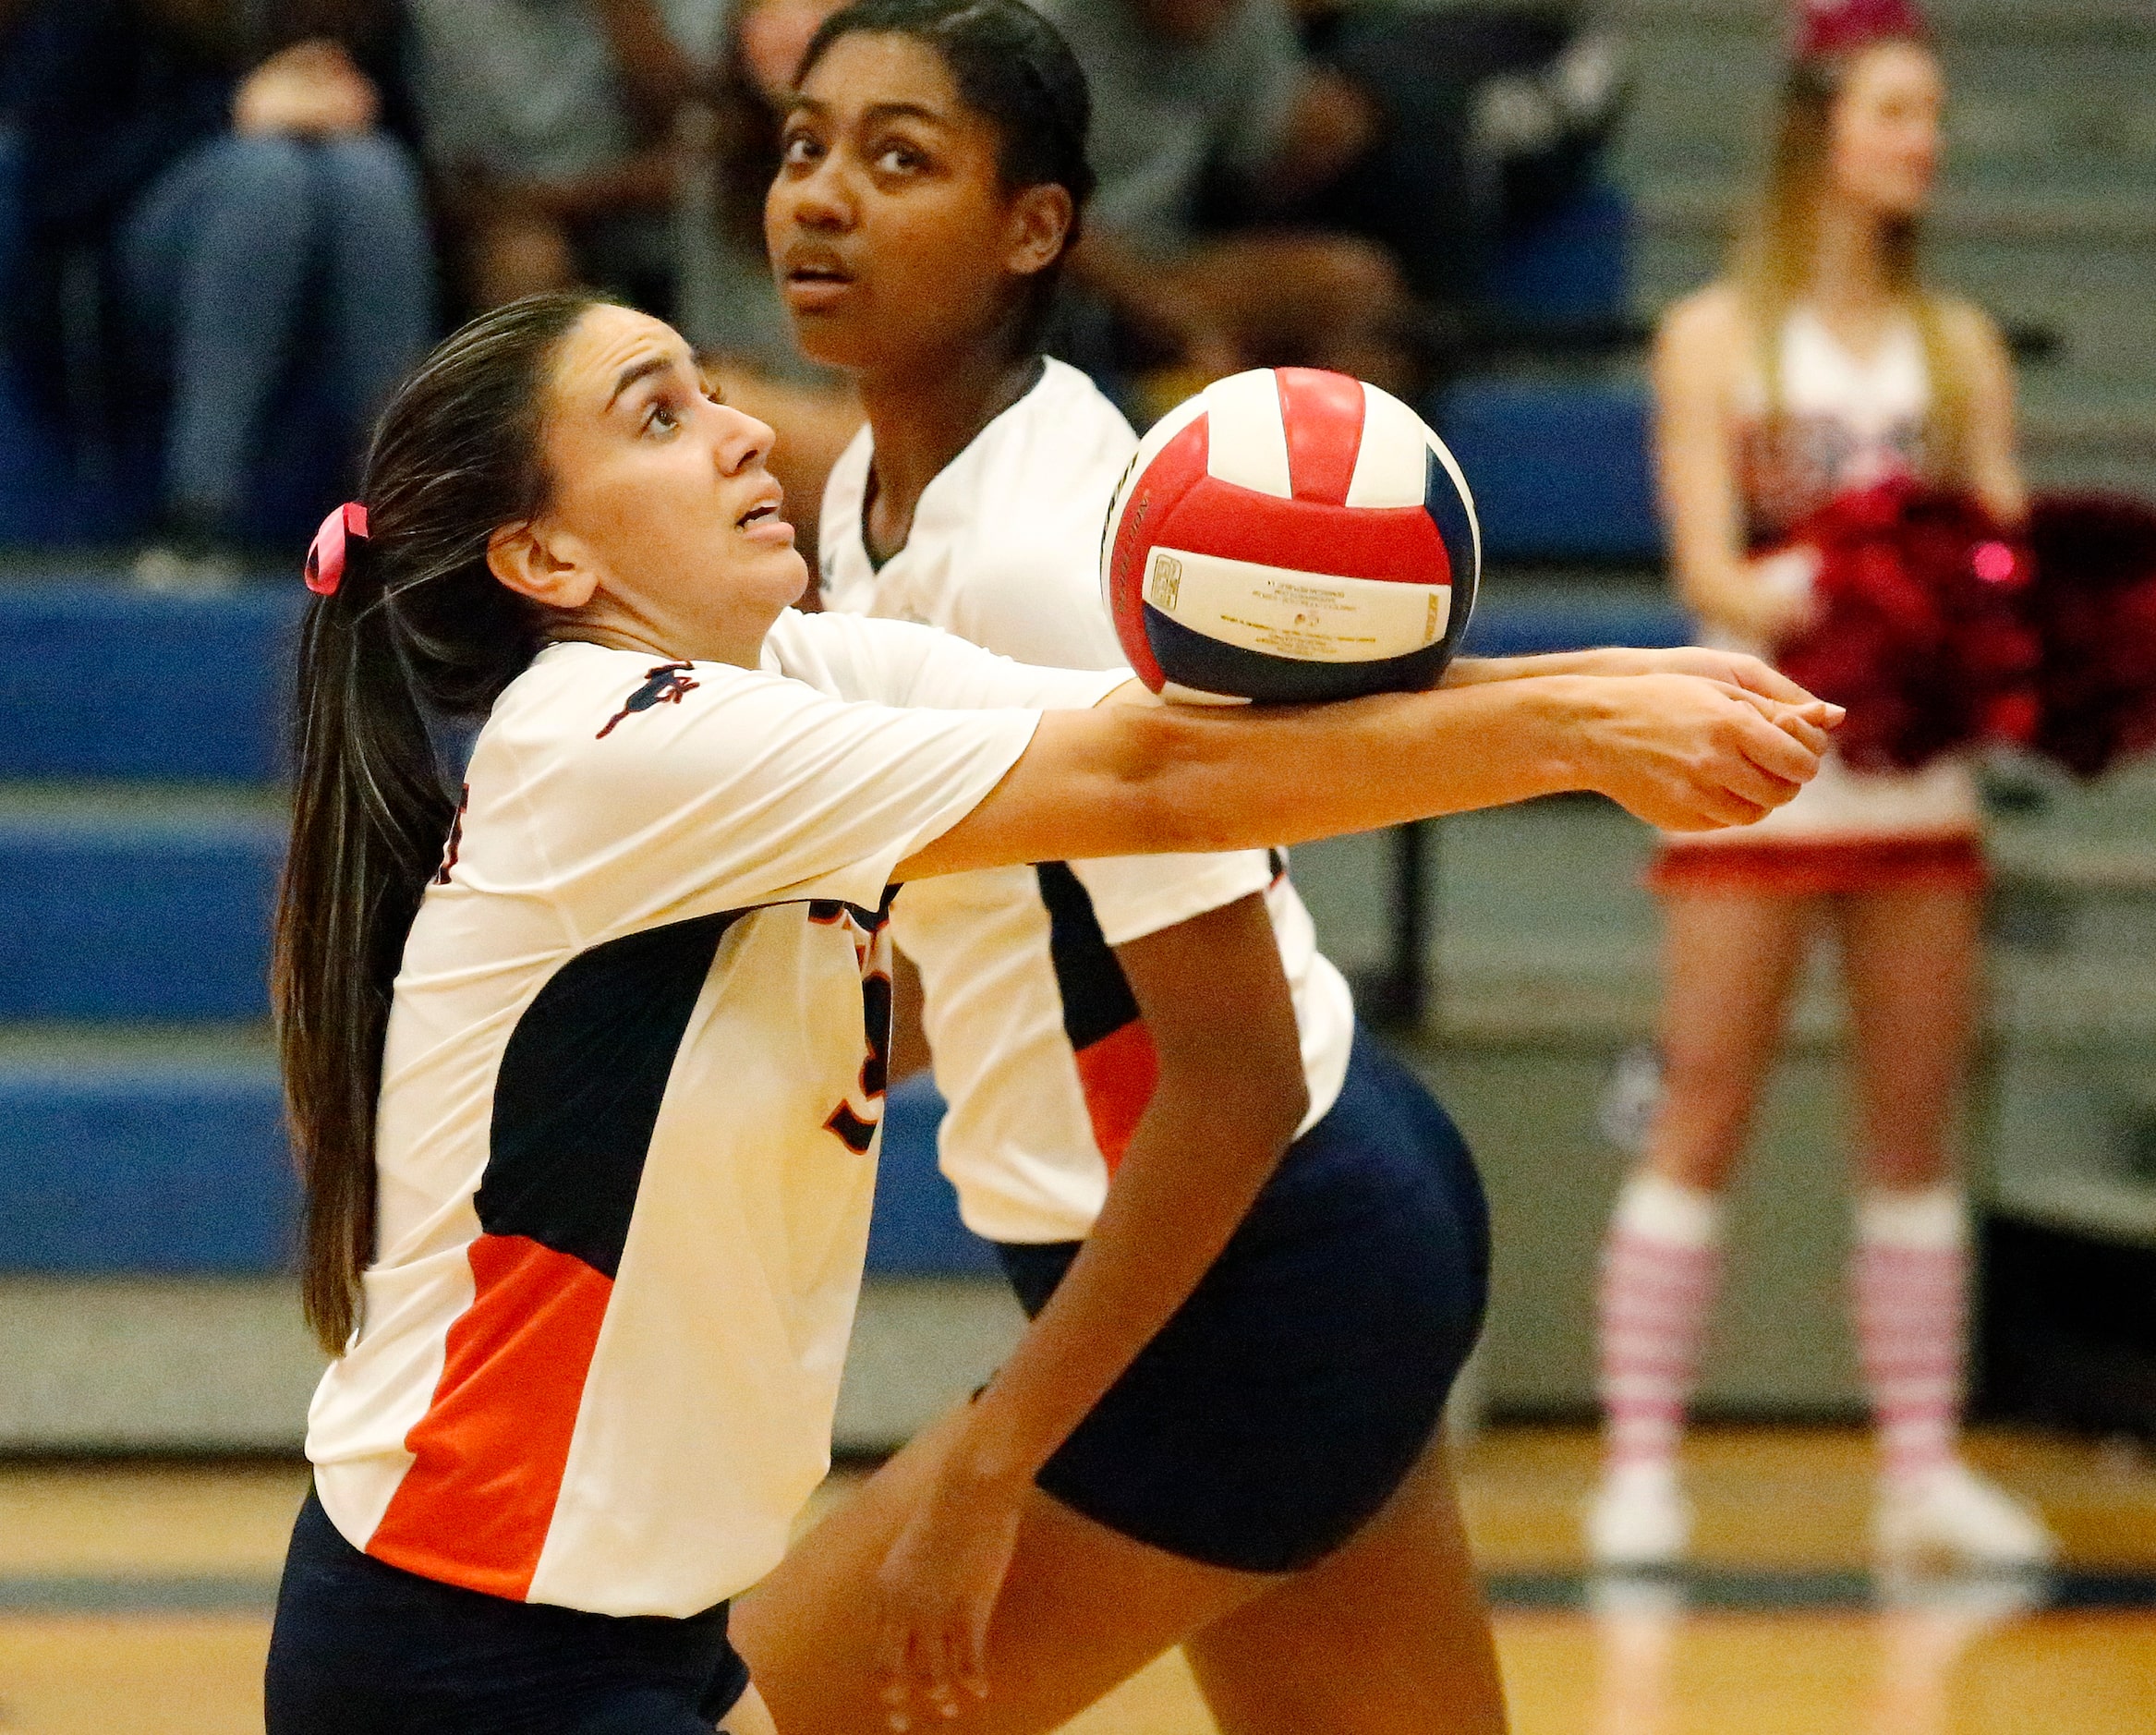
x=1390 y=464
x=1246 y=440
x=1467 y=498
x=1177 y=694
x=1149 y=448
x=1308 y=617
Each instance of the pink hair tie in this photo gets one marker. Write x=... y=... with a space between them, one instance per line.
x=325 y=554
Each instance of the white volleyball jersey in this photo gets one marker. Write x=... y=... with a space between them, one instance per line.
x=630 y=1101
x=1037 y=1042
x=1847 y=422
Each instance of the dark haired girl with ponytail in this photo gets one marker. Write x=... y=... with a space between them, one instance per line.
x=1218 y=1430
x=585 y=1043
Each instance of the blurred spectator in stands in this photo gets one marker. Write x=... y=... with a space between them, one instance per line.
x=1260 y=202
x=727 y=306
x=553 y=125
x=1186 y=89
x=225 y=175
x=1488 y=116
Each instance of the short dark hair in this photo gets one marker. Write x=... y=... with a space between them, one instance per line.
x=1013 y=68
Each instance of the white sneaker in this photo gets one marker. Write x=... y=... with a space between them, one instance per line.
x=1640 y=1518
x=1953 y=1512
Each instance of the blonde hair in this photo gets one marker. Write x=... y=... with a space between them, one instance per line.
x=1772 y=264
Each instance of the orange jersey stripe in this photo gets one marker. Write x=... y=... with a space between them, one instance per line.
x=487 y=1456
x=1118 y=1075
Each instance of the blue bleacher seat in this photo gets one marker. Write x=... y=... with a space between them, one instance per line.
x=1560 y=461
x=130 y=1164
x=1571 y=266
x=1508 y=627
x=1560 y=468
x=118 y=910
x=102 y=680
x=138 y=850
x=916 y=1230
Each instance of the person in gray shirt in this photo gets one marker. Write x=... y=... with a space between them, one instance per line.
x=1185 y=88
x=549 y=124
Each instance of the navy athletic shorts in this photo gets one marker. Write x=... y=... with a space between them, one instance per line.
x=1283 y=1404
x=362 y=1648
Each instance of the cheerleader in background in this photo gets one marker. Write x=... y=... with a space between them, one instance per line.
x=1820 y=364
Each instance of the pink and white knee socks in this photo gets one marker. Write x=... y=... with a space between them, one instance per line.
x=1659 y=1269
x=1908 y=1275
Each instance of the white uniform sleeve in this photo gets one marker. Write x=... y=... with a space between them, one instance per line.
x=1136 y=895
x=898 y=662
x=750 y=788
x=1039 y=603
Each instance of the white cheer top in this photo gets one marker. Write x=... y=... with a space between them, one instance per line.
x=1847 y=422
x=1037 y=1042
x=630 y=1102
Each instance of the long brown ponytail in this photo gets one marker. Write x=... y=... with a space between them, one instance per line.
x=1772 y=259
x=419 y=633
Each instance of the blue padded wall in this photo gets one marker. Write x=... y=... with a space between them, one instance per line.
x=145 y=1166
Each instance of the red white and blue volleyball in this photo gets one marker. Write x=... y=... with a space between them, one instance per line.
x=1287 y=536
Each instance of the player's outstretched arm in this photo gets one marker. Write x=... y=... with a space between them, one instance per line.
x=1734 y=667
x=1132 y=778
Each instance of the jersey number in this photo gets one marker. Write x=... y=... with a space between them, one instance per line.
x=855 y=1121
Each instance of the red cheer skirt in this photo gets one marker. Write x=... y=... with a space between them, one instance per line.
x=1815 y=868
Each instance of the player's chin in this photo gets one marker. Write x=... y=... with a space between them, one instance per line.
x=842 y=337
x=783 y=573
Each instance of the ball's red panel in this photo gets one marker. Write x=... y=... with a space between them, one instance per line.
x=1176 y=468
x=1217 y=518
x=1323 y=415
x=1307 y=621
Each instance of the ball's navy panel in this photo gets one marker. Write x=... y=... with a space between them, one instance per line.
x=1192 y=660
x=1447 y=511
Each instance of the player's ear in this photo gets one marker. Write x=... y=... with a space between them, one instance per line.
x=1040 y=222
x=533 y=563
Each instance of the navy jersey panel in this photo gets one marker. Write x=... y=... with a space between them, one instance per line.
x=1281 y=1407
x=361 y=1647
x=581 y=1085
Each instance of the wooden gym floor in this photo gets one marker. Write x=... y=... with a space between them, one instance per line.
x=137 y=1598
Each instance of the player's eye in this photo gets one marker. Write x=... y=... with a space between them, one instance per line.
x=661 y=416
x=797 y=149
x=898 y=158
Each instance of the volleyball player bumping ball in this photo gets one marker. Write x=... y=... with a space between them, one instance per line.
x=1220 y=1428
x=1821 y=363
x=584 y=1049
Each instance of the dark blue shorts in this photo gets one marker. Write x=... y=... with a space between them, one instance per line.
x=1279 y=1408
x=362 y=1648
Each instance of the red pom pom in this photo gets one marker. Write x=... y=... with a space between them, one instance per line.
x=1918 y=633
x=2093 y=610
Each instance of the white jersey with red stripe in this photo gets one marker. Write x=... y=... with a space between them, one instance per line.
x=1037 y=1041
x=631 y=1095
x=1846 y=422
